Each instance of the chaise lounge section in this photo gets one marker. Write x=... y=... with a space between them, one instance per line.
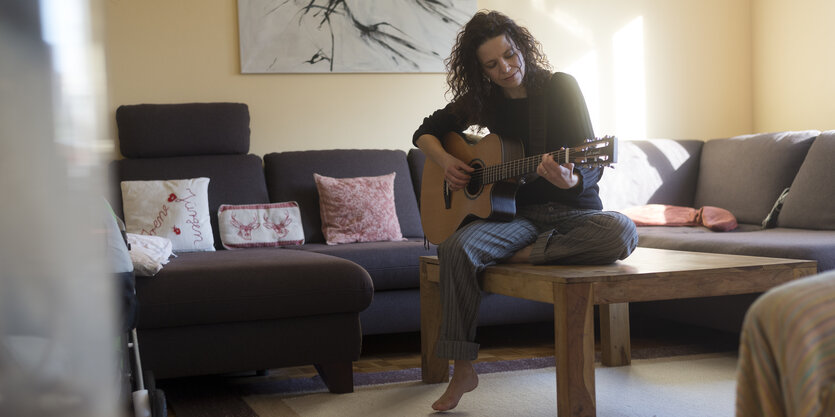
x=226 y=311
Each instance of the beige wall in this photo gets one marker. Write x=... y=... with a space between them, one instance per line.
x=687 y=63
x=794 y=65
x=694 y=80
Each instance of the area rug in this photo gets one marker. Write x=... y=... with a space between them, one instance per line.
x=681 y=386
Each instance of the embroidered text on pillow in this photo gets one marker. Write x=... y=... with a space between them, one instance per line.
x=176 y=209
x=193 y=217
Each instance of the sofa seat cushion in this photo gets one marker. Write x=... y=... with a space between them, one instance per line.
x=392 y=265
x=247 y=285
x=818 y=245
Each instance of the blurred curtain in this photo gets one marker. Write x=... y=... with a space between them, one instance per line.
x=58 y=338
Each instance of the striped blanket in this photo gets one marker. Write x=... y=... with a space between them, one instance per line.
x=787 y=351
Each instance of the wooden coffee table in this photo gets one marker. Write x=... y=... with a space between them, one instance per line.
x=647 y=275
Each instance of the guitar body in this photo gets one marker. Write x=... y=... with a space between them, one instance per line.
x=441 y=213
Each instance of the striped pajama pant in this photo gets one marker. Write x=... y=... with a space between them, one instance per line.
x=559 y=235
x=787 y=351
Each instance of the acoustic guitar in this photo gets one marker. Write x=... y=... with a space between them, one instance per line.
x=499 y=169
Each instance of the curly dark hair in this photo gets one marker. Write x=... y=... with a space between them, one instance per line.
x=470 y=89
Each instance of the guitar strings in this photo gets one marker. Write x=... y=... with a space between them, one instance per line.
x=498 y=172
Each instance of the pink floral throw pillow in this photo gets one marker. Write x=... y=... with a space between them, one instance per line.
x=358 y=209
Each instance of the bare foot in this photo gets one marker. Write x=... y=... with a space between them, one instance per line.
x=464 y=379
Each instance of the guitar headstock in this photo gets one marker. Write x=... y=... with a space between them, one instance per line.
x=597 y=152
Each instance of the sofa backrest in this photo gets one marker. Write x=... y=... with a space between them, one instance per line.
x=652 y=171
x=186 y=129
x=181 y=141
x=233 y=179
x=746 y=174
x=416 y=159
x=810 y=203
x=289 y=177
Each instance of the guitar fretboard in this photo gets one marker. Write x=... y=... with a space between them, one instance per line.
x=517 y=168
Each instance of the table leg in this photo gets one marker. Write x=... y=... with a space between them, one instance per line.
x=616 y=349
x=433 y=368
x=574 y=349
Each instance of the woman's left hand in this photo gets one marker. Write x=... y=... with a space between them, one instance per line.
x=561 y=175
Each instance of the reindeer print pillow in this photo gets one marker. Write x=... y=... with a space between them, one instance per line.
x=175 y=209
x=260 y=225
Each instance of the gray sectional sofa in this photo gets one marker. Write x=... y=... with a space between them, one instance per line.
x=253 y=309
x=228 y=311
x=260 y=308
x=747 y=176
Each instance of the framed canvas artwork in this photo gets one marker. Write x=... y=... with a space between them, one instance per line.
x=341 y=36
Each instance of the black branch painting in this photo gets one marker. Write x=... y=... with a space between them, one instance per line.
x=297 y=36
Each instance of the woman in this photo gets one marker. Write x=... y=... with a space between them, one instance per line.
x=499 y=79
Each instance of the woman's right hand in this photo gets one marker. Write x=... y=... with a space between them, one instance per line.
x=456 y=172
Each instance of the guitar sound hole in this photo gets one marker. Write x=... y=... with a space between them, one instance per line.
x=475 y=186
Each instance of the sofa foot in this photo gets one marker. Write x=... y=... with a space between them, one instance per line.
x=338 y=376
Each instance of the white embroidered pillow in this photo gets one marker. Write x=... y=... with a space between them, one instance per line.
x=260 y=225
x=175 y=209
x=358 y=209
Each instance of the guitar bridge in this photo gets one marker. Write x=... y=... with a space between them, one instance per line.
x=447 y=196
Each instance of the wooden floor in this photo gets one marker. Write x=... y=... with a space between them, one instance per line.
x=402 y=351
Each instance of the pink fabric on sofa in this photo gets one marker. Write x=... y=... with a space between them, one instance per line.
x=662 y=215
x=714 y=218
x=717 y=219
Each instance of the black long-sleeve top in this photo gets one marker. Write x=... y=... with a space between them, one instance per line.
x=567 y=125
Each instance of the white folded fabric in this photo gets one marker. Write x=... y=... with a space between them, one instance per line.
x=148 y=253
